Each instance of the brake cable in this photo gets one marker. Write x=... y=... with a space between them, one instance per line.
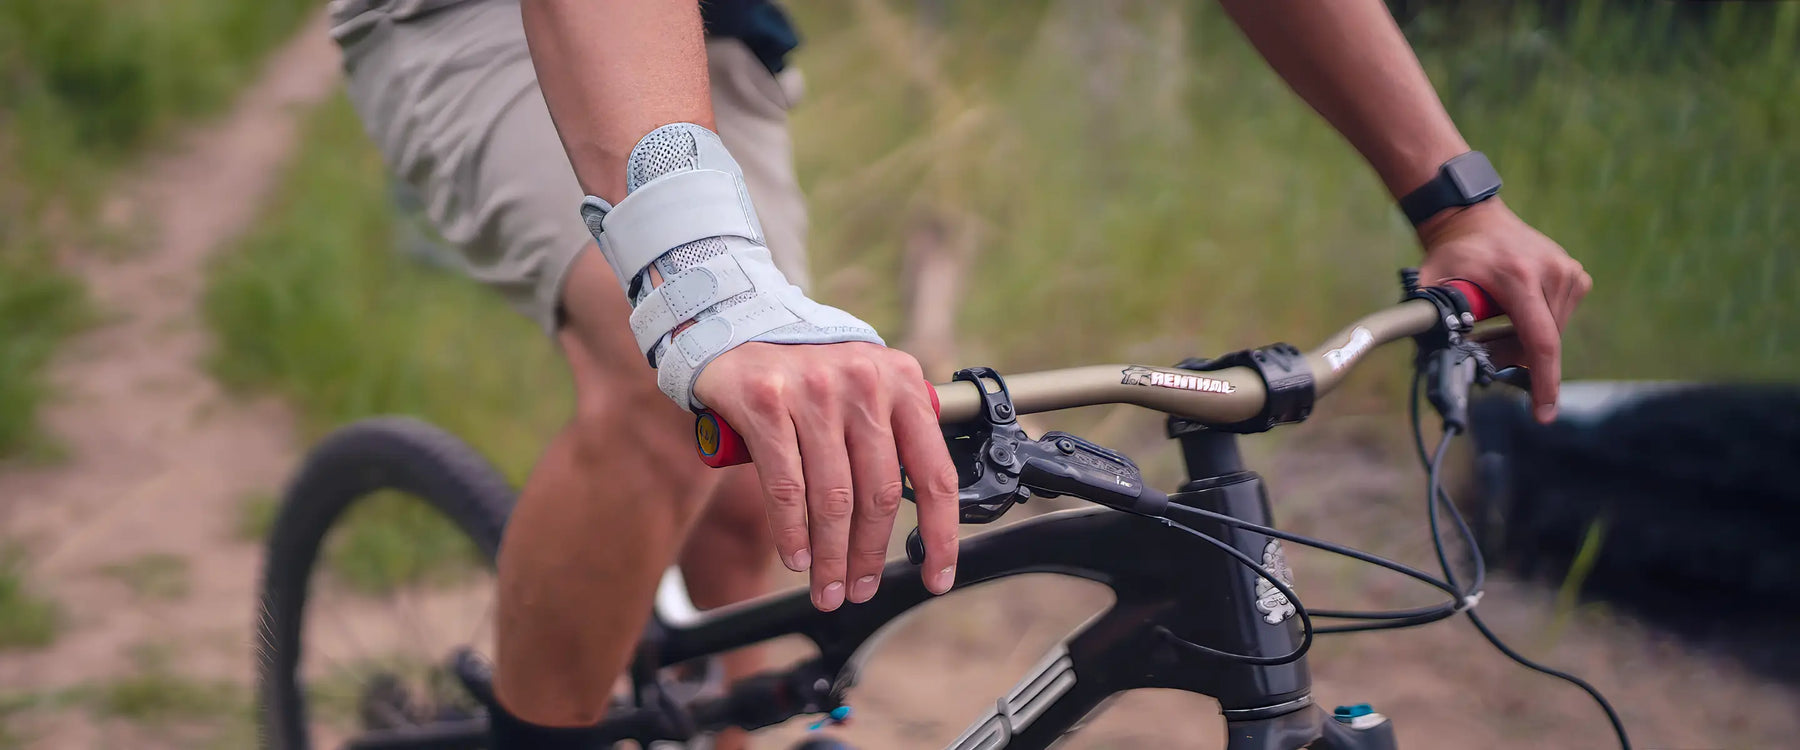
x=1465 y=600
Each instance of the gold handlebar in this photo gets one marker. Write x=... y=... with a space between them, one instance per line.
x=1219 y=397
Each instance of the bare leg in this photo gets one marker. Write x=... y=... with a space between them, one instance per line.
x=726 y=560
x=602 y=515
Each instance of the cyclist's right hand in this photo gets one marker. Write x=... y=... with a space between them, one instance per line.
x=829 y=426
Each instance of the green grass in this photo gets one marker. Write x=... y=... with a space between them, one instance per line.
x=390 y=540
x=158 y=697
x=27 y=619
x=1167 y=195
x=39 y=306
x=89 y=81
x=156 y=575
x=152 y=695
x=84 y=86
x=321 y=307
x=256 y=516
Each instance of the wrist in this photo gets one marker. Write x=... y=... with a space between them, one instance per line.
x=1453 y=221
x=1465 y=180
x=1418 y=163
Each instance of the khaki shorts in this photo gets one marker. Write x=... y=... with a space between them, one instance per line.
x=451 y=100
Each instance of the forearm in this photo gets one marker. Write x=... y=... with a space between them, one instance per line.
x=1349 y=61
x=612 y=71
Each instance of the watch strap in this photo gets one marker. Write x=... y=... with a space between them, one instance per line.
x=1464 y=180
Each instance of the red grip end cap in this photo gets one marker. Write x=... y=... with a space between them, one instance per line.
x=1480 y=304
x=719 y=445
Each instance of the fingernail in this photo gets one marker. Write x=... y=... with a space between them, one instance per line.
x=802 y=561
x=832 y=597
x=863 y=589
x=1546 y=413
x=945 y=579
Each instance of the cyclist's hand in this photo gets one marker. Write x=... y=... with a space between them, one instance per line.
x=1528 y=274
x=829 y=426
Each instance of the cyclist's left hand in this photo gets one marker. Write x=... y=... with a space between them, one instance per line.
x=1531 y=277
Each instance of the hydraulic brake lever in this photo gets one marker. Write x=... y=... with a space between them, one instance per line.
x=998 y=465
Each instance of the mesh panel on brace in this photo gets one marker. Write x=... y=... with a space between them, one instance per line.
x=663 y=151
x=694 y=253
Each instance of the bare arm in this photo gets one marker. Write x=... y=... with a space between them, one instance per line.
x=1349 y=61
x=613 y=70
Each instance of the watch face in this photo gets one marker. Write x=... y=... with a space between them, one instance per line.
x=1474 y=176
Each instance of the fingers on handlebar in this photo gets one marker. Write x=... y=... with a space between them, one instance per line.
x=721 y=445
x=784 y=489
x=878 y=443
x=934 y=485
x=1541 y=339
x=875 y=468
x=1539 y=329
x=1481 y=305
x=830 y=498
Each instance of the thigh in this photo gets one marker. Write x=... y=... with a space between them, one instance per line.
x=452 y=102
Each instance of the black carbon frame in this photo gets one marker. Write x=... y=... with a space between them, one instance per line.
x=1161 y=577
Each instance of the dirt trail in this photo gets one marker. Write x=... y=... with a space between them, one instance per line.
x=159 y=459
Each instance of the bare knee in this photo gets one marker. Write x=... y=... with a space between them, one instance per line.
x=626 y=431
x=737 y=511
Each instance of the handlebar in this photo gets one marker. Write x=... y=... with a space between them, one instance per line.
x=1224 y=396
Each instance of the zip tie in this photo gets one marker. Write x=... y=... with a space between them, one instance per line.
x=1469 y=601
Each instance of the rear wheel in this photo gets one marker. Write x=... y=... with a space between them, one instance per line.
x=378 y=569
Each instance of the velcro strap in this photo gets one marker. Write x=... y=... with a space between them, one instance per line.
x=671 y=211
x=689 y=292
x=699 y=343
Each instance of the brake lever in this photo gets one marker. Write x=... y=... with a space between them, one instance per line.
x=1515 y=376
x=1450 y=373
x=998 y=466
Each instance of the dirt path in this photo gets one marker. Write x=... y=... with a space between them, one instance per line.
x=159 y=459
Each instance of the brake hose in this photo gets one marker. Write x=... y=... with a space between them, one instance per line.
x=1463 y=600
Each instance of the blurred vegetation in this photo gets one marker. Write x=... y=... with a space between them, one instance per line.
x=203 y=713
x=84 y=84
x=153 y=575
x=391 y=540
x=38 y=307
x=1128 y=181
x=1138 y=185
x=27 y=619
x=320 y=307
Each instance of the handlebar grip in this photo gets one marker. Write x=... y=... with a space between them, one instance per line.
x=1480 y=304
x=720 y=445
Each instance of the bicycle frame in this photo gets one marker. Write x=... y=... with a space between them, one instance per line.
x=1168 y=589
x=1160 y=579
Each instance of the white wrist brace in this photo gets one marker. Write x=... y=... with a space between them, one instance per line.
x=687 y=213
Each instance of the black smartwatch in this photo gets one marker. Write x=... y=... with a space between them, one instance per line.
x=1463 y=181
